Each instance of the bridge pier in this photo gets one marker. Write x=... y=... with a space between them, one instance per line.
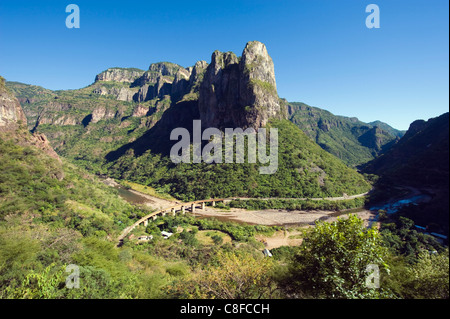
x=154 y=217
x=193 y=208
x=203 y=205
x=163 y=214
x=183 y=210
x=173 y=211
x=213 y=203
x=146 y=223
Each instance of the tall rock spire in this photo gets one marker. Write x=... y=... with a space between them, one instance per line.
x=239 y=92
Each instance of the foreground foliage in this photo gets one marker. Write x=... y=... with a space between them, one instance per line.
x=54 y=214
x=334 y=257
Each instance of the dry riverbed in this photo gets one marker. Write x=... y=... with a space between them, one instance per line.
x=293 y=220
x=275 y=217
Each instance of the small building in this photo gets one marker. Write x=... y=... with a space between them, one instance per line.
x=267 y=253
x=166 y=234
x=145 y=238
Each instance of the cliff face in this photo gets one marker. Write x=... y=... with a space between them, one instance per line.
x=230 y=92
x=239 y=92
x=166 y=78
x=10 y=111
x=12 y=116
x=119 y=75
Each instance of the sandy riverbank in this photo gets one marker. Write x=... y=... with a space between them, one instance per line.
x=272 y=217
x=155 y=202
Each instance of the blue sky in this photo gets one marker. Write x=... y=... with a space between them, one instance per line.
x=323 y=52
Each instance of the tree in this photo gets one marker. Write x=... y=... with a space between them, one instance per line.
x=333 y=259
x=231 y=276
x=429 y=278
x=45 y=284
x=218 y=240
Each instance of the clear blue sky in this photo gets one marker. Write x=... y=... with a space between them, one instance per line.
x=323 y=53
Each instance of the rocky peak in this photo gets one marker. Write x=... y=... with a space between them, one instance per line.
x=164 y=68
x=197 y=73
x=239 y=92
x=416 y=126
x=128 y=75
x=256 y=63
x=180 y=85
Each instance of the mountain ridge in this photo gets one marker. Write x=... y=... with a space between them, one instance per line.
x=348 y=138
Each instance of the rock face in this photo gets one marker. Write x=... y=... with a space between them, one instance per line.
x=166 y=78
x=140 y=111
x=11 y=112
x=119 y=75
x=102 y=113
x=239 y=92
x=123 y=94
x=40 y=141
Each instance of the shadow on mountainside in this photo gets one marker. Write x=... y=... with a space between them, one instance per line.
x=157 y=138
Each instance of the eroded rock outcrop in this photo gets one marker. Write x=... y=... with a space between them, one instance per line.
x=102 y=113
x=12 y=117
x=128 y=75
x=11 y=112
x=140 y=111
x=239 y=92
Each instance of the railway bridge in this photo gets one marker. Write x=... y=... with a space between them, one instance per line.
x=173 y=210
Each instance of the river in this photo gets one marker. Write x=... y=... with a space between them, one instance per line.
x=269 y=216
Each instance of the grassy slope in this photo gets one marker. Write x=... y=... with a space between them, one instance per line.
x=47 y=223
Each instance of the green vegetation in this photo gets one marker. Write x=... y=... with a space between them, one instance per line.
x=349 y=139
x=297 y=204
x=238 y=232
x=54 y=214
x=146 y=190
x=304 y=170
x=419 y=161
x=427 y=279
x=265 y=86
x=333 y=259
x=403 y=239
x=231 y=275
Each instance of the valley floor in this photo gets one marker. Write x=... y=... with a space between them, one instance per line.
x=275 y=217
x=292 y=220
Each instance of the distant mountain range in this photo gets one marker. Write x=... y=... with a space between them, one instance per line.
x=347 y=138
